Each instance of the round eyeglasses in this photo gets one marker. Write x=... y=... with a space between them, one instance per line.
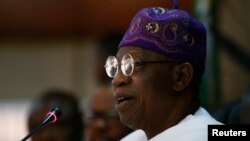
x=127 y=65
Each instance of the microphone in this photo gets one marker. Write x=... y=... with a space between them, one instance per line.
x=51 y=117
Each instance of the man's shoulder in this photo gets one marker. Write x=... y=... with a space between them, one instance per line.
x=191 y=128
x=202 y=116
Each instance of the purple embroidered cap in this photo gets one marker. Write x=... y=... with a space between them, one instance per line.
x=170 y=32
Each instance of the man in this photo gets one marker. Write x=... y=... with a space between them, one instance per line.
x=245 y=108
x=101 y=119
x=156 y=75
x=69 y=126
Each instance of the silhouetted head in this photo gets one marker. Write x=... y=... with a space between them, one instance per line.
x=69 y=126
x=101 y=120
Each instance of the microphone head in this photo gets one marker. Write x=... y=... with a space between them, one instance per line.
x=53 y=115
x=57 y=111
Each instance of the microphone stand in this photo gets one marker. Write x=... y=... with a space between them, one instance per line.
x=50 y=118
x=33 y=131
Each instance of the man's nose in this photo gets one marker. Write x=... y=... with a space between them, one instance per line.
x=120 y=79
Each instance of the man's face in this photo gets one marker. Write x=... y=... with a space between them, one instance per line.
x=144 y=99
x=101 y=120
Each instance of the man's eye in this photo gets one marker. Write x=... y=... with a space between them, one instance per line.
x=138 y=63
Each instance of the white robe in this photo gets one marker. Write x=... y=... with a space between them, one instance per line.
x=191 y=128
x=137 y=135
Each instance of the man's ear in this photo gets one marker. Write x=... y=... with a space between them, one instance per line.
x=183 y=74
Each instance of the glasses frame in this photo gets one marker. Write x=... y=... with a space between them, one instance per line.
x=135 y=63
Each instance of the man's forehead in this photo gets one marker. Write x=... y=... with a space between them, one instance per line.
x=130 y=50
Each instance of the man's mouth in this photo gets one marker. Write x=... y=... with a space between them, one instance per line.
x=123 y=99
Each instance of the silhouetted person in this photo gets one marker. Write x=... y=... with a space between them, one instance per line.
x=69 y=126
x=235 y=112
x=101 y=120
x=245 y=108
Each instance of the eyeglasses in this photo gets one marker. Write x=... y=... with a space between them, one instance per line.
x=127 y=65
x=100 y=119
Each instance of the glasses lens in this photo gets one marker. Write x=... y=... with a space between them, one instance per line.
x=111 y=66
x=127 y=65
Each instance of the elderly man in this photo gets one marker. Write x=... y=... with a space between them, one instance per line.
x=156 y=75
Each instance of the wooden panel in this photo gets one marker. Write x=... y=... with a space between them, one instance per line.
x=34 y=18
